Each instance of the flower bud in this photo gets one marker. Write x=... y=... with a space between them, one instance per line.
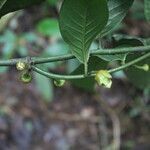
x=59 y=83
x=20 y=66
x=145 y=67
x=103 y=78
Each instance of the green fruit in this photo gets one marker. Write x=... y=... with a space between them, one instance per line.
x=26 y=77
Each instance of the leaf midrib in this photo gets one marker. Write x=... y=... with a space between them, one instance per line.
x=83 y=36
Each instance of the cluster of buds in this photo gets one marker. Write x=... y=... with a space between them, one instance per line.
x=25 y=75
x=103 y=77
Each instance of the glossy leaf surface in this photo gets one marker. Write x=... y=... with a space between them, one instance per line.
x=80 y=22
x=117 y=11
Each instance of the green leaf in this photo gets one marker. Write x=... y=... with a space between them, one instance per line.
x=72 y=64
x=44 y=86
x=88 y=83
x=14 y=5
x=121 y=40
x=111 y=58
x=128 y=42
x=147 y=9
x=117 y=11
x=138 y=77
x=80 y=22
x=49 y=27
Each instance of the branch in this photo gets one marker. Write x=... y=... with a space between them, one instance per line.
x=35 y=60
x=91 y=74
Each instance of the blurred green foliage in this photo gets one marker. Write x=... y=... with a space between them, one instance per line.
x=28 y=43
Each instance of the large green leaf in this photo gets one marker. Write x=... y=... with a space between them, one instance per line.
x=117 y=11
x=147 y=9
x=80 y=22
x=88 y=83
x=14 y=5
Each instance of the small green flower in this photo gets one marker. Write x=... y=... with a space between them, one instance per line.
x=103 y=78
x=20 y=66
x=59 y=83
x=26 y=77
